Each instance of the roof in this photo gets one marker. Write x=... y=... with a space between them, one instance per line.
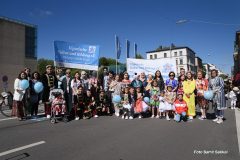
x=17 y=21
x=168 y=48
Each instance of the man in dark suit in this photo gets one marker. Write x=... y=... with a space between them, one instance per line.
x=67 y=90
x=50 y=82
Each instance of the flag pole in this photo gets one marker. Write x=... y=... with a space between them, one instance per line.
x=116 y=49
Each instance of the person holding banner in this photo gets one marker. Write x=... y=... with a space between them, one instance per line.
x=50 y=82
x=189 y=86
x=201 y=86
x=19 y=92
x=67 y=90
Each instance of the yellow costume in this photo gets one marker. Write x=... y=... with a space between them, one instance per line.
x=188 y=88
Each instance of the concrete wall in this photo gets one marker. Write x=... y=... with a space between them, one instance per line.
x=12 y=52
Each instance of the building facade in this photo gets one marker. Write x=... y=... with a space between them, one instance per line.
x=198 y=64
x=236 y=54
x=18 y=50
x=184 y=56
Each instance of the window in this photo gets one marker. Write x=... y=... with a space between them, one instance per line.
x=155 y=56
x=30 y=42
x=176 y=62
x=180 y=53
x=175 y=54
x=151 y=56
x=165 y=55
x=181 y=61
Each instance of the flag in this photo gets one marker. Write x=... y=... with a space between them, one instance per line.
x=118 y=46
x=135 y=49
x=127 y=48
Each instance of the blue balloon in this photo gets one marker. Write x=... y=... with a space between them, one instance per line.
x=38 y=87
x=146 y=100
x=116 y=99
x=24 y=84
x=208 y=95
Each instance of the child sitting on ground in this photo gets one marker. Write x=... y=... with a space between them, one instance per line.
x=180 y=109
x=102 y=104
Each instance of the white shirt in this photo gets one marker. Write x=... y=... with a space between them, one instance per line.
x=18 y=95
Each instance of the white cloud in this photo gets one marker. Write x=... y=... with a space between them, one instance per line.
x=40 y=12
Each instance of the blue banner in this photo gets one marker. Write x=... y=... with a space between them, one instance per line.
x=74 y=55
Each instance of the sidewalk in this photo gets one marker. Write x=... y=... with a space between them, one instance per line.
x=237 y=115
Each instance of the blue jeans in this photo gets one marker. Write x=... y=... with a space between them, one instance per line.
x=219 y=113
x=179 y=117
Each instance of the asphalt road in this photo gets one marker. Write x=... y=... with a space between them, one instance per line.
x=111 y=138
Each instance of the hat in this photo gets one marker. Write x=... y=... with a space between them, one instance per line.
x=235 y=89
x=169 y=85
x=48 y=66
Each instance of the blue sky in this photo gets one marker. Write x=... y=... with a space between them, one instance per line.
x=149 y=23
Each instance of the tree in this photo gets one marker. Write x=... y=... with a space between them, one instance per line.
x=103 y=61
x=42 y=63
x=139 y=56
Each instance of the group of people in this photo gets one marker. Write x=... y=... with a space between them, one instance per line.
x=86 y=96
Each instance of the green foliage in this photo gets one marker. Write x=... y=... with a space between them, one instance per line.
x=139 y=56
x=103 y=61
x=42 y=63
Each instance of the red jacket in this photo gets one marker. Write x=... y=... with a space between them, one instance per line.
x=180 y=106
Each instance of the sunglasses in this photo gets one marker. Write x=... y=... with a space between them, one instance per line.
x=172 y=75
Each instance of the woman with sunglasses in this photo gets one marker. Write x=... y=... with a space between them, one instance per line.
x=172 y=81
x=189 y=86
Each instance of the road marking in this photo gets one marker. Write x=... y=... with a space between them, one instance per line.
x=21 y=148
x=237 y=115
x=5 y=119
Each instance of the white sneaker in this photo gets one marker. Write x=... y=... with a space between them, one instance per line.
x=123 y=117
x=152 y=116
x=77 y=118
x=231 y=107
x=126 y=117
x=220 y=120
x=202 y=118
x=48 y=116
x=96 y=116
x=117 y=114
x=140 y=117
x=130 y=117
x=191 y=117
x=157 y=116
x=215 y=120
x=167 y=118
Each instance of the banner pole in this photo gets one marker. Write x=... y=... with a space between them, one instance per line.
x=116 y=65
